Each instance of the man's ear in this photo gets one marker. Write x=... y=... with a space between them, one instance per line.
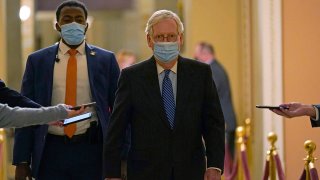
x=181 y=38
x=149 y=41
x=58 y=28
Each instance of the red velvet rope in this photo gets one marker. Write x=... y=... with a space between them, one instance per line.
x=245 y=164
x=314 y=174
x=234 y=171
x=303 y=175
x=279 y=167
x=227 y=161
x=266 y=170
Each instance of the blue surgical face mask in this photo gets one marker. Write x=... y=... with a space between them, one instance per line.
x=73 y=33
x=166 y=51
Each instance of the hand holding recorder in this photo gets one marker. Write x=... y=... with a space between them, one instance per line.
x=75 y=110
x=71 y=113
x=84 y=105
x=295 y=109
x=272 y=107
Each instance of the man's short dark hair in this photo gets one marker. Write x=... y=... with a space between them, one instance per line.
x=207 y=47
x=71 y=3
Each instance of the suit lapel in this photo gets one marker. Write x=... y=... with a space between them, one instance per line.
x=153 y=89
x=184 y=87
x=91 y=63
x=50 y=60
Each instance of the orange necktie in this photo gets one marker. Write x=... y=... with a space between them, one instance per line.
x=71 y=89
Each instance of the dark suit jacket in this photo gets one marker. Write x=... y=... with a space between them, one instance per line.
x=103 y=72
x=13 y=98
x=221 y=80
x=156 y=150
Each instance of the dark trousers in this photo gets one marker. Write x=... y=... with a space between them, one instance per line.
x=67 y=160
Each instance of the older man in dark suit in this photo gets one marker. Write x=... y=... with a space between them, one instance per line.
x=171 y=103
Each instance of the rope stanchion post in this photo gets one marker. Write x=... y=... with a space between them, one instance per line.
x=273 y=163
x=240 y=167
x=272 y=138
x=247 y=128
x=310 y=147
x=248 y=141
x=240 y=132
x=3 y=159
x=243 y=169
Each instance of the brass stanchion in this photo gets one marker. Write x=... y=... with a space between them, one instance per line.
x=240 y=143
x=240 y=167
x=248 y=141
x=272 y=138
x=310 y=147
x=247 y=127
x=273 y=163
x=3 y=155
x=243 y=171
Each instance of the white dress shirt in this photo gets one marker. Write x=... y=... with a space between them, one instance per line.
x=172 y=77
x=83 y=86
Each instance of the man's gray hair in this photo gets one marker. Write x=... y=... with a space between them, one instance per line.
x=161 y=15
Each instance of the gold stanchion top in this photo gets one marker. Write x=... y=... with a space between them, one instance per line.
x=2 y=134
x=247 y=126
x=247 y=121
x=240 y=131
x=272 y=138
x=310 y=147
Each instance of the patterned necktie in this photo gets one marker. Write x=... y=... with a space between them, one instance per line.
x=71 y=89
x=168 y=98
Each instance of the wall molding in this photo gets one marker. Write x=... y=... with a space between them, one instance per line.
x=270 y=34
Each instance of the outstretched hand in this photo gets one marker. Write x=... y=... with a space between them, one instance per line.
x=72 y=113
x=295 y=109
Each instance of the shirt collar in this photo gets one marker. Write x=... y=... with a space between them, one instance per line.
x=64 y=48
x=173 y=69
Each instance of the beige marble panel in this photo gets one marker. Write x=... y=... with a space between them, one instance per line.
x=3 y=63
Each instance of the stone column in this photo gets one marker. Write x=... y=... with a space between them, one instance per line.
x=12 y=43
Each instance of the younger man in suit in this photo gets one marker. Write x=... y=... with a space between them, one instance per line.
x=170 y=103
x=71 y=72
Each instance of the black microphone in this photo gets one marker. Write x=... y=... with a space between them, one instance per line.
x=57 y=59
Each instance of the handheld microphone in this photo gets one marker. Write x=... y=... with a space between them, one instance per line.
x=57 y=59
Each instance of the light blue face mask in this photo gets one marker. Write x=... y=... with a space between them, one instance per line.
x=73 y=33
x=166 y=51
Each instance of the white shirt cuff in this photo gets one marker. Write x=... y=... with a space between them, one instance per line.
x=215 y=169
x=317 y=114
